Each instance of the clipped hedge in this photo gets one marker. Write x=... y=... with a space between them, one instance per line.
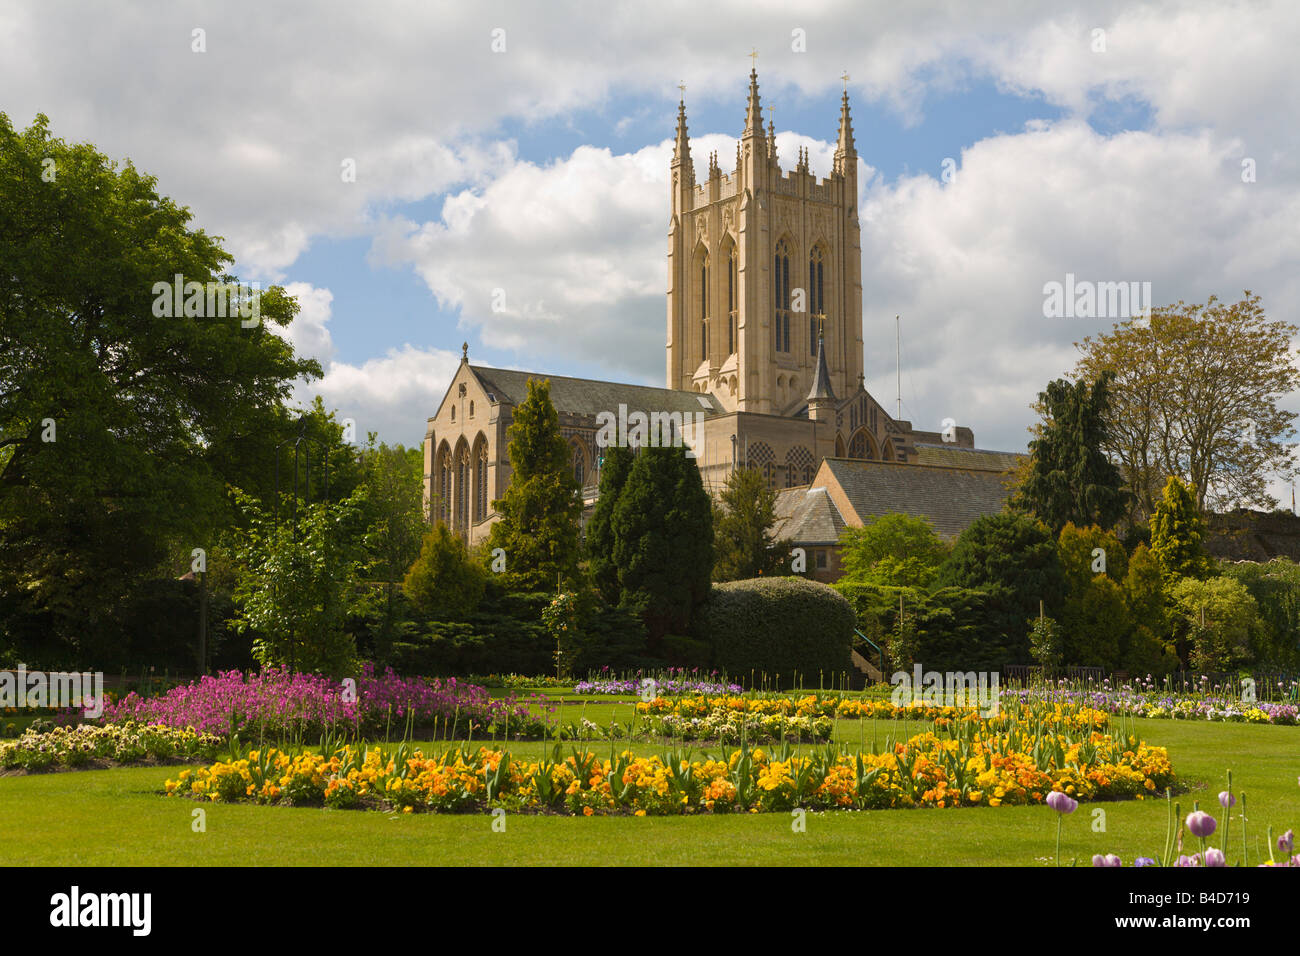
x=779 y=626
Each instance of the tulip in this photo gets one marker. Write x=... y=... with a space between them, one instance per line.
x=1188 y=861
x=1200 y=823
x=1110 y=859
x=1061 y=802
x=1215 y=857
x=1227 y=800
x=1286 y=842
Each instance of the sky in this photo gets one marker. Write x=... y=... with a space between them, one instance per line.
x=520 y=151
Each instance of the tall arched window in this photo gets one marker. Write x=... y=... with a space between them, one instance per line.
x=462 y=490
x=731 y=302
x=704 y=309
x=816 y=294
x=781 y=281
x=481 y=491
x=579 y=465
x=444 y=483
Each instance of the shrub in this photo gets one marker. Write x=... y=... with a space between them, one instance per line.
x=956 y=628
x=1219 y=621
x=1015 y=560
x=779 y=626
x=444 y=582
x=1275 y=586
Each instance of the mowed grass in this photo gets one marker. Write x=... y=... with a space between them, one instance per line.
x=117 y=818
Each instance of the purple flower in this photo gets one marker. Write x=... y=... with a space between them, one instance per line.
x=1188 y=861
x=1110 y=859
x=1144 y=861
x=1286 y=842
x=1061 y=802
x=1227 y=800
x=1215 y=857
x=1200 y=823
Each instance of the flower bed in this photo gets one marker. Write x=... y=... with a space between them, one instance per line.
x=970 y=764
x=1167 y=705
x=691 y=718
x=86 y=745
x=658 y=687
x=277 y=704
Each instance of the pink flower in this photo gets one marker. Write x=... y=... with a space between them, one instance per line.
x=1200 y=823
x=1062 y=803
x=1215 y=857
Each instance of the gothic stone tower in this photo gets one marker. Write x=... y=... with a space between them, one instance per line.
x=753 y=258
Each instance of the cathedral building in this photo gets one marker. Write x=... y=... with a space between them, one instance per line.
x=764 y=367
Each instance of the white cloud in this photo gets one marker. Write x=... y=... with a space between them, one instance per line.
x=392 y=395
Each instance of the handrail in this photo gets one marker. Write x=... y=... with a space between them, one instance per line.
x=880 y=654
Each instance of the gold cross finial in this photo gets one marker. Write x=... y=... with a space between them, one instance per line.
x=845 y=78
x=771 y=113
x=821 y=323
x=753 y=58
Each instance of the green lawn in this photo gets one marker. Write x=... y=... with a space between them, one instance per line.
x=114 y=817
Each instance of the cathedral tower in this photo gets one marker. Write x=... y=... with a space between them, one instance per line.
x=753 y=258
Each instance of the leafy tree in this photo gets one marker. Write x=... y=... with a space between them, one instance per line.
x=1070 y=479
x=904 y=643
x=445 y=582
x=663 y=540
x=1177 y=530
x=1275 y=586
x=1095 y=621
x=1014 y=558
x=897 y=550
x=1196 y=394
x=1080 y=560
x=391 y=497
x=1150 y=648
x=1046 y=644
x=599 y=543
x=538 y=529
x=112 y=418
x=1219 y=621
x=742 y=529
x=295 y=586
x=1096 y=624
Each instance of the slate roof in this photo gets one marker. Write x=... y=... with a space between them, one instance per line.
x=952 y=498
x=953 y=456
x=585 y=396
x=807 y=516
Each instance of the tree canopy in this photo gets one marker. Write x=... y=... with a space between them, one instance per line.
x=119 y=427
x=1196 y=393
x=1070 y=479
x=894 y=550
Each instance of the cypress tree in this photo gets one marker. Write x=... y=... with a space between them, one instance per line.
x=541 y=509
x=599 y=545
x=662 y=528
x=1177 y=530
